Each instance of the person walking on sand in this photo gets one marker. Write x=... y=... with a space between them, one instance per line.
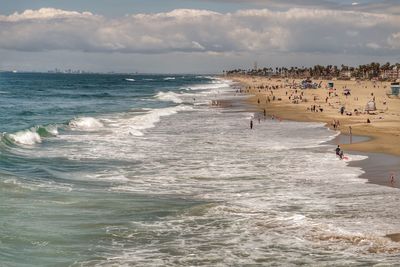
x=251 y=124
x=341 y=110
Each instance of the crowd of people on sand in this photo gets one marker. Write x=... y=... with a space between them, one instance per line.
x=332 y=100
x=315 y=108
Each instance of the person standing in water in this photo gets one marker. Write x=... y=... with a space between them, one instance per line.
x=251 y=124
x=351 y=135
x=339 y=152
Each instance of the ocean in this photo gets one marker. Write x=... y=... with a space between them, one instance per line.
x=141 y=170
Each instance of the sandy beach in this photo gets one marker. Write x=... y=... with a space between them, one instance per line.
x=278 y=97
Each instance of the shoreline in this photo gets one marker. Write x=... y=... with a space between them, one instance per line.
x=377 y=167
x=383 y=157
x=367 y=143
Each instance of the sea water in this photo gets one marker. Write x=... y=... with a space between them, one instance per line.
x=141 y=170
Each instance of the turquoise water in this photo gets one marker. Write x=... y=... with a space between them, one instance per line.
x=141 y=170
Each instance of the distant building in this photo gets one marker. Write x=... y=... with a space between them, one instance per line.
x=391 y=74
x=345 y=74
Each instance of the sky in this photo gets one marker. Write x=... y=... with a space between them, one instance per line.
x=195 y=36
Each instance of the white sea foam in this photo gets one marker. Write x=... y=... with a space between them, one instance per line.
x=26 y=137
x=85 y=124
x=216 y=85
x=208 y=77
x=129 y=79
x=169 y=96
x=137 y=124
x=169 y=78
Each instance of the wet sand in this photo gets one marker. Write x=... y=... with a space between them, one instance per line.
x=378 y=167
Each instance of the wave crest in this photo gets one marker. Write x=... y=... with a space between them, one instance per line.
x=85 y=124
x=25 y=137
x=30 y=136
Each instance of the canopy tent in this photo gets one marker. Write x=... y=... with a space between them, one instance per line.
x=306 y=84
x=330 y=84
x=370 y=106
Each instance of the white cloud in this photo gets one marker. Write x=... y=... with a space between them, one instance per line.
x=394 y=40
x=373 y=46
x=43 y=13
x=202 y=31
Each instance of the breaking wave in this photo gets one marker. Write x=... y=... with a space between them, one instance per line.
x=30 y=136
x=214 y=85
x=169 y=96
x=26 y=137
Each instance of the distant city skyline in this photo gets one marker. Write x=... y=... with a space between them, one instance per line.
x=195 y=36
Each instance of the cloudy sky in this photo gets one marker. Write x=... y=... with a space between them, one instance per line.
x=203 y=36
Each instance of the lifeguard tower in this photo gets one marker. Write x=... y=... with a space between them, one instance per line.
x=395 y=89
